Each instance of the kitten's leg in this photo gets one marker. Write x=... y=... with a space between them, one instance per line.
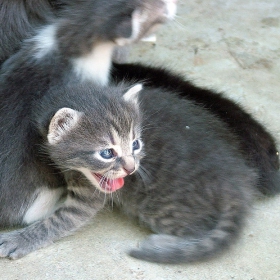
x=82 y=203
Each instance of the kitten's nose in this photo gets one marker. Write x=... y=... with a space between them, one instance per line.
x=128 y=164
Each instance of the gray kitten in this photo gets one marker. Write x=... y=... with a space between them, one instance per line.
x=172 y=165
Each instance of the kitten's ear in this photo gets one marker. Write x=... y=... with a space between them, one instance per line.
x=61 y=123
x=132 y=94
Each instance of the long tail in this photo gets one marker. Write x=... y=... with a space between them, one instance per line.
x=162 y=248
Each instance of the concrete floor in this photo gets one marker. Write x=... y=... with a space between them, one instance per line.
x=233 y=46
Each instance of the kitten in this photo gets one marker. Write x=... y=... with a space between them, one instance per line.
x=174 y=166
x=104 y=19
x=256 y=143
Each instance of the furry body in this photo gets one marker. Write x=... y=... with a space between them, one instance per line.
x=192 y=186
x=256 y=143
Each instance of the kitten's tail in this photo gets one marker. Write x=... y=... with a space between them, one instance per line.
x=162 y=248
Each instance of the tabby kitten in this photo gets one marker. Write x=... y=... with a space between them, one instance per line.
x=65 y=134
x=174 y=166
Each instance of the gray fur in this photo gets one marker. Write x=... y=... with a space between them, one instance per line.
x=193 y=186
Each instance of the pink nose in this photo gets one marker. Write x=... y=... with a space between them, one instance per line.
x=128 y=164
x=129 y=171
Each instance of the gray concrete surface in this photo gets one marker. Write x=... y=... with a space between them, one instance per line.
x=229 y=45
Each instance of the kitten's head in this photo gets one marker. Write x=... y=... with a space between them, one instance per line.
x=102 y=139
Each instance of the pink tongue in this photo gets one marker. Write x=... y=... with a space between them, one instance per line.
x=116 y=184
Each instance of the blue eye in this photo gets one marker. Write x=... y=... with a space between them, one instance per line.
x=135 y=145
x=107 y=153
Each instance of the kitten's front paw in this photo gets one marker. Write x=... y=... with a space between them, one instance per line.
x=14 y=246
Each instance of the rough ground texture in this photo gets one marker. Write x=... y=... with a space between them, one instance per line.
x=231 y=46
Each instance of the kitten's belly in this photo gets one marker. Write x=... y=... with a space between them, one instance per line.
x=45 y=203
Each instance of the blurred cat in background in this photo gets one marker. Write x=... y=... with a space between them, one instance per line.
x=134 y=19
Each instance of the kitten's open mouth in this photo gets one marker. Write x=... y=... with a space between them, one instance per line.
x=108 y=185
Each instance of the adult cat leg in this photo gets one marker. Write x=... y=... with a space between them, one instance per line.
x=83 y=201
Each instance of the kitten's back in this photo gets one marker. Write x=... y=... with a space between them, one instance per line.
x=256 y=143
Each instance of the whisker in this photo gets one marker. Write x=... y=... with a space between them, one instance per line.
x=144 y=174
x=112 y=203
x=116 y=196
